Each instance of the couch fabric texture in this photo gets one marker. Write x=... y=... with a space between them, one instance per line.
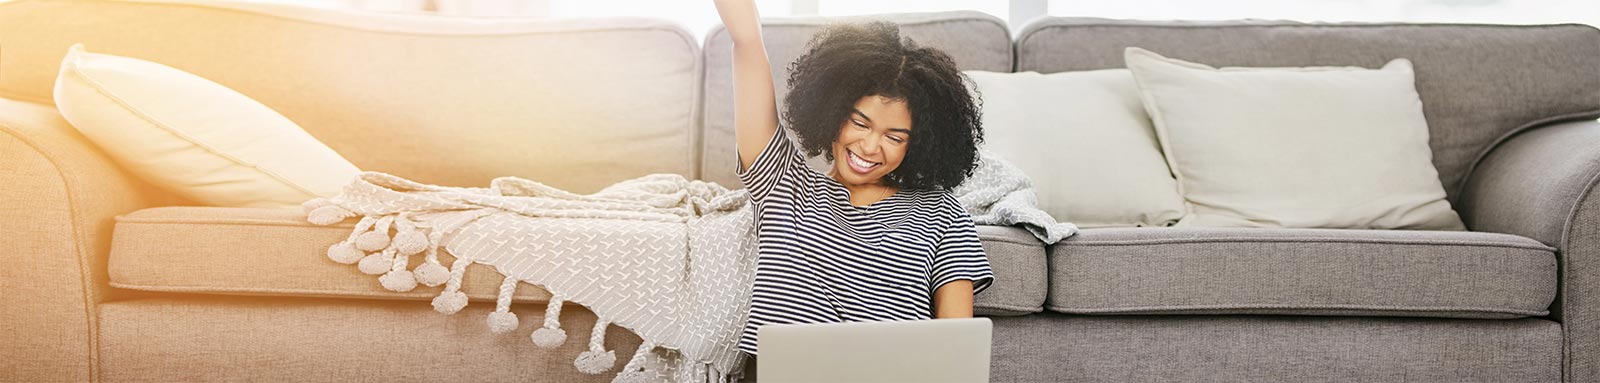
x=119 y=281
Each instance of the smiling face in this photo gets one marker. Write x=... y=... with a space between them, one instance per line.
x=872 y=142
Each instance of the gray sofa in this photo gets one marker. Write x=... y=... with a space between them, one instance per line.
x=1511 y=112
x=118 y=281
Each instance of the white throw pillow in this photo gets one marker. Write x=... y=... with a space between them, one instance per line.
x=195 y=137
x=1329 y=147
x=1085 y=141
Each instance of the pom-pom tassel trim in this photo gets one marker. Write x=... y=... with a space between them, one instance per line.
x=502 y=320
x=597 y=360
x=551 y=334
x=452 y=300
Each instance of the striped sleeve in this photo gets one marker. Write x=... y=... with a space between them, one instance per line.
x=960 y=256
x=777 y=161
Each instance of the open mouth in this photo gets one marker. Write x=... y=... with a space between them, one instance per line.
x=860 y=165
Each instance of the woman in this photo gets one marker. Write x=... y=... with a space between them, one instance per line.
x=879 y=237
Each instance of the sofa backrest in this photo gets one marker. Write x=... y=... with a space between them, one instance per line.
x=444 y=100
x=976 y=40
x=1479 y=83
x=582 y=104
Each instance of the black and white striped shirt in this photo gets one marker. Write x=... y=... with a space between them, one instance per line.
x=823 y=260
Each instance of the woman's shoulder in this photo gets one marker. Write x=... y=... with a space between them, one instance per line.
x=939 y=201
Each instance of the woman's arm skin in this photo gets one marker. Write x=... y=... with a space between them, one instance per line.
x=953 y=300
x=755 y=107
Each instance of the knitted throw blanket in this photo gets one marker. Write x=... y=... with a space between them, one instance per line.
x=998 y=193
x=668 y=258
x=665 y=257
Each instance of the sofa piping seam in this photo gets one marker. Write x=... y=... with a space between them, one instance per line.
x=85 y=280
x=121 y=220
x=1187 y=241
x=1566 y=236
x=487 y=297
x=233 y=221
x=299 y=292
x=1225 y=307
x=1002 y=238
x=1032 y=309
x=343 y=224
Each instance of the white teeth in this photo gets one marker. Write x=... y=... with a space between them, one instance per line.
x=857 y=161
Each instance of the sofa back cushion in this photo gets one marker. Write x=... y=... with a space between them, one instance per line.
x=1478 y=82
x=977 y=41
x=193 y=137
x=454 y=101
x=1085 y=141
x=1299 y=147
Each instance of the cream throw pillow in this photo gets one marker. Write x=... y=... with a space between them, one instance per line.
x=1328 y=147
x=193 y=136
x=1085 y=141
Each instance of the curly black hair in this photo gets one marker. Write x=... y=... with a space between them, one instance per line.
x=845 y=62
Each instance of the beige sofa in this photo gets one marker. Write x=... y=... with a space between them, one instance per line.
x=115 y=280
x=120 y=281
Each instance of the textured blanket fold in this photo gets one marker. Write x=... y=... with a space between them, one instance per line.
x=998 y=193
x=668 y=258
x=665 y=257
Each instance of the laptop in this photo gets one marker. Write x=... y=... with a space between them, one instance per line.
x=936 y=350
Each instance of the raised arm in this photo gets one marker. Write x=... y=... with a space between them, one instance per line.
x=755 y=107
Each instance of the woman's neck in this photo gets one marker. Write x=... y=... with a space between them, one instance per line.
x=865 y=194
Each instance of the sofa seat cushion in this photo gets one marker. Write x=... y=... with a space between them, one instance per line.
x=1021 y=276
x=275 y=252
x=1301 y=272
x=256 y=251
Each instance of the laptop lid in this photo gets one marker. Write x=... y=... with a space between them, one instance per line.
x=938 y=350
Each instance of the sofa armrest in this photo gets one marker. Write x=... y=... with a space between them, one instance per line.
x=61 y=193
x=1540 y=184
x=1530 y=184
